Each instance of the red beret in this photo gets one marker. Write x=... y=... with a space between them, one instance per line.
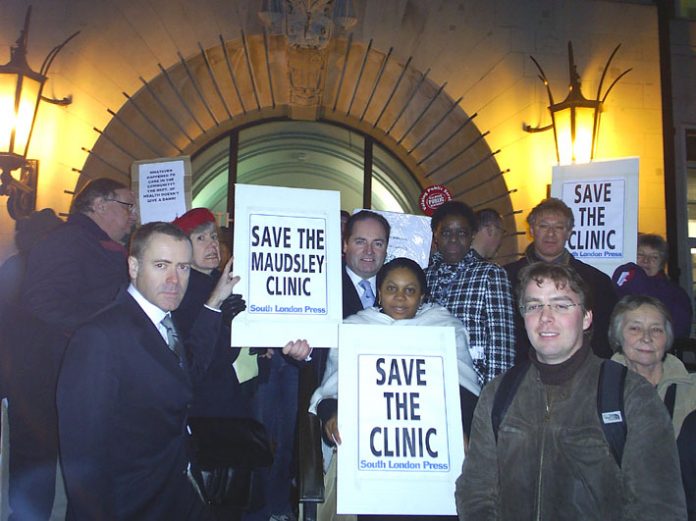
x=193 y=219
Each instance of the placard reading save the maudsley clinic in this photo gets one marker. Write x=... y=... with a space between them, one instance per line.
x=288 y=252
x=400 y=420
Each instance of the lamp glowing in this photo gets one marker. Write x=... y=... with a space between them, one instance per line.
x=21 y=91
x=575 y=120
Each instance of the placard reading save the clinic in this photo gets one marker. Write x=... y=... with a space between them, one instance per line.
x=603 y=196
x=287 y=251
x=401 y=423
x=599 y=209
x=400 y=420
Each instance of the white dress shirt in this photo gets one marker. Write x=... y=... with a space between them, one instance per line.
x=154 y=313
x=357 y=279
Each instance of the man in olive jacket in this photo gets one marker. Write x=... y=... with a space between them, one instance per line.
x=551 y=460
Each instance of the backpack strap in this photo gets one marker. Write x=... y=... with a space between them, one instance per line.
x=670 y=395
x=610 y=406
x=506 y=392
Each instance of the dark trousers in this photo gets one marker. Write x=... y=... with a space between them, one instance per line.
x=275 y=405
x=33 y=426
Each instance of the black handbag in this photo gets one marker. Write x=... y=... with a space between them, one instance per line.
x=225 y=453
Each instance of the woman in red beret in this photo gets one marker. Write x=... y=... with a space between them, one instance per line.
x=218 y=392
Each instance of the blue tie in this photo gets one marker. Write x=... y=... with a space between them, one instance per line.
x=367 y=298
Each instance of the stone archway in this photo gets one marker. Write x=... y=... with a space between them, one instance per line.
x=259 y=77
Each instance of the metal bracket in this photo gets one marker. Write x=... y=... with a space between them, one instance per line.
x=63 y=102
x=21 y=193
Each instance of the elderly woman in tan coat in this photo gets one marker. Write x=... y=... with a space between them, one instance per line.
x=641 y=333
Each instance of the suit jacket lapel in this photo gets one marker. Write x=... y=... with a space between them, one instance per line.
x=351 y=299
x=148 y=336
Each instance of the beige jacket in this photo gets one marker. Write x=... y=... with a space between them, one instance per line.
x=674 y=372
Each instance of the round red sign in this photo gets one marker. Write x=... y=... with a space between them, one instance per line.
x=432 y=197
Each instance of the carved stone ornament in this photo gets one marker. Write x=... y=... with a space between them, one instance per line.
x=309 y=23
x=306 y=68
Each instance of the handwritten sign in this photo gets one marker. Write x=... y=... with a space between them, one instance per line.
x=161 y=187
x=287 y=249
x=400 y=420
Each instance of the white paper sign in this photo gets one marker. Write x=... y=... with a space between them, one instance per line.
x=288 y=265
x=599 y=205
x=406 y=431
x=287 y=251
x=400 y=420
x=604 y=198
x=410 y=237
x=162 y=188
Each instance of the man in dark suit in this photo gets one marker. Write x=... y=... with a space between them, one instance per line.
x=365 y=242
x=125 y=388
x=364 y=249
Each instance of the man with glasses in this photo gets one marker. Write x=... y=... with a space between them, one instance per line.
x=550 y=225
x=475 y=291
x=71 y=274
x=548 y=458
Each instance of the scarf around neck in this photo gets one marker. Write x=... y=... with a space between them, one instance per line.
x=557 y=374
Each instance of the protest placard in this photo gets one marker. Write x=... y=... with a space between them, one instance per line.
x=400 y=420
x=287 y=250
x=410 y=237
x=604 y=198
x=163 y=188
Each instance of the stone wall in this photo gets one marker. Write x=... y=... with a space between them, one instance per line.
x=479 y=48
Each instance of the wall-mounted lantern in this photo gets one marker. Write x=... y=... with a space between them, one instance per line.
x=575 y=120
x=21 y=91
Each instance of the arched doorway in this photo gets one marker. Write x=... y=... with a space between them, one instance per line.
x=304 y=154
x=193 y=106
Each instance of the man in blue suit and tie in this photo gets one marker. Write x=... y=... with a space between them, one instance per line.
x=365 y=241
x=125 y=388
x=364 y=250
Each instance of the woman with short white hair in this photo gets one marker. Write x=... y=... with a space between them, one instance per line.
x=641 y=333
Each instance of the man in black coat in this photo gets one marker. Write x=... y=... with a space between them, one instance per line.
x=550 y=225
x=125 y=389
x=70 y=275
